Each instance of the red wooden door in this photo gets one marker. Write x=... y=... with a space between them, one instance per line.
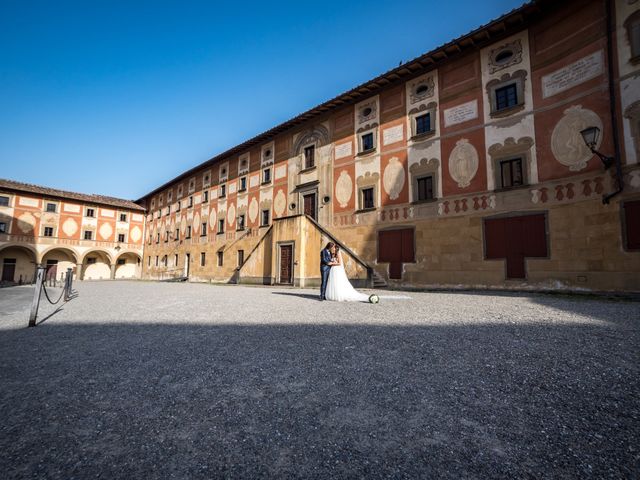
x=514 y=239
x=52 y=269
x=8 y=270
x=632 y=224
x=310 y=205
x=286 y=263
x=396 y=247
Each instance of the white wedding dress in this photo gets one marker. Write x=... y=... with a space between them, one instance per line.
x=339 y=288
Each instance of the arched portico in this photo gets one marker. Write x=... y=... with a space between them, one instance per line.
x=18 y=263
x=57 y=260
x=96 y=265
x=128 y=264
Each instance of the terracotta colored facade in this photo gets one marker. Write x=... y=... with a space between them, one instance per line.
x=40 y=225
x=464 y=167
x=562 y=67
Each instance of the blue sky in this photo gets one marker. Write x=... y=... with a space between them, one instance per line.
x=116 y=97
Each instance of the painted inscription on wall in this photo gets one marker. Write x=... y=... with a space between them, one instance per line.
x=343 y=150
x=461 y=113
x=392 y=135
x=573 y=74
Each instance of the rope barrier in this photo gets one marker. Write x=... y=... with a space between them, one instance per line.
x=46 y=294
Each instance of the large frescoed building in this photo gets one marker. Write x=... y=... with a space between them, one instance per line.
x=467 y=166
x=97 y=237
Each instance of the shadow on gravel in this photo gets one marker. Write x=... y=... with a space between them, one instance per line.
x=309 y=296
x=319 y=401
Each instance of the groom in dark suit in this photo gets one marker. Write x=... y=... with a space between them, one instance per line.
x=325 y=265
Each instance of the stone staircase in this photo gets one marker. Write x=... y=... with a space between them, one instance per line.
x=378 y=280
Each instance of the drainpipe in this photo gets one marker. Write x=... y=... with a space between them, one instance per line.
x=612 y=106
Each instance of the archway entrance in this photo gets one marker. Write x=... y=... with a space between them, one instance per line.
x=57 y=261
x=18 y=264
x=128 y=265
x=96 y=265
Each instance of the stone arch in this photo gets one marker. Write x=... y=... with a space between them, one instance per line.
x=127 y=264
x=25 y=246
x=71 y=251
x=318 y=135
x=98 y=269
x=21 y=266
x=95 y=251
x=58 y=259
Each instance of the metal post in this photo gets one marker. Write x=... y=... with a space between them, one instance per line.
x=36 y=296
x=70 y=274
x=67 y=285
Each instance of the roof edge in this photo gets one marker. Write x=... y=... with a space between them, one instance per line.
x=424 y=62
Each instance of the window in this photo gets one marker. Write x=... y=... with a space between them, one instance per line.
x=188 y=234
x=221 y=225
x=158 y=213
x=240 y=222
x=265 y=217
x=425 y=188
x=4 y=201
x=367 y=198
x=158 y=238
x=88 y=235
x=175 y=260
x=633 y=32
x=223 y=191
x=203 y=259
x=121 y=261
x=240 y=258
x=166 y=236
x=121 y=238
x=51 y=207
x=149 y=261
x=91 y=260
x=631 y=224
x=511 y=173
x=506 y=97
x=367 y=142
x=423 y=124
x=205 y=196
x=48 y=231
x=190 y=202
x=123 y=216
x=168 y=210
x=309 y=156
x=177 y=234
x=220 y=258
x=266 y=175
x=203 y=231
x=156 y=260
x=179 y=206
x=242 y=184
x=3 y=227
x=91 y=212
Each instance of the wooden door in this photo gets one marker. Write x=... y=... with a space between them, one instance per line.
x=8 y=270
x=286 y=264
x=52 y=270
x=310 y=205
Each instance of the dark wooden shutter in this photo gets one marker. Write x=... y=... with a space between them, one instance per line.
x=632 y=224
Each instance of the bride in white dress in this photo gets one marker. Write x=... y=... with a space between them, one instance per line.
x=339 y=288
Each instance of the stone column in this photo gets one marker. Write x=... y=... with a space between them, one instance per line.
x=113 y=271
x=78 y=271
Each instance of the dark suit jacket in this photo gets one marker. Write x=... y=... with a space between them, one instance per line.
x=325 y=259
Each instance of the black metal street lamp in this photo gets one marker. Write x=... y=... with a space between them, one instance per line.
x=590 y=135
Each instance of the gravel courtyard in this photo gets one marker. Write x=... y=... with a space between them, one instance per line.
x=160 y=380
